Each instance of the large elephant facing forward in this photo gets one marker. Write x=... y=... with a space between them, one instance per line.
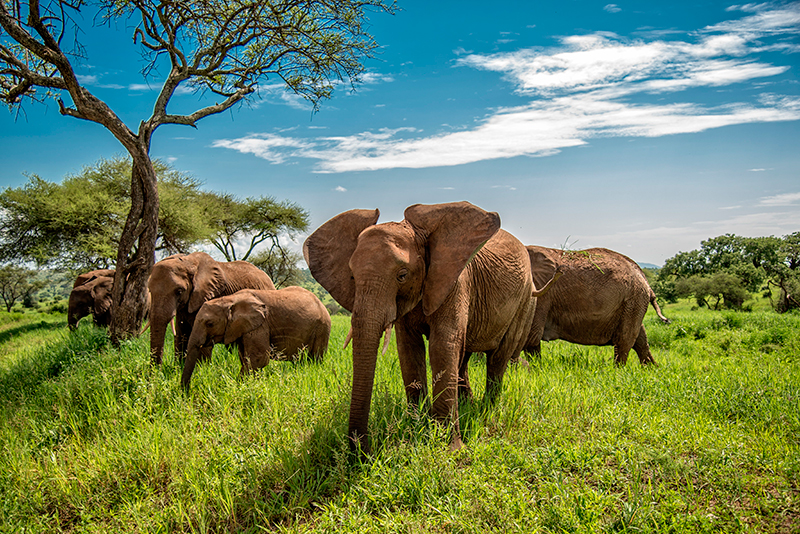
x=446 y=272
x=91 y=294
x=180 y=284
x=601 y=299
x=262 y=324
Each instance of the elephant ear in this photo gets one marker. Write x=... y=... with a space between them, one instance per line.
x=327 y=252
x=101 y=294
x=208 y=283
x=454 y=233
x=244 y=316
x=543 y=267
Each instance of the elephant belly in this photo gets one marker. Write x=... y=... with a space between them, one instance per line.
x=583 y=331
x=287 y=345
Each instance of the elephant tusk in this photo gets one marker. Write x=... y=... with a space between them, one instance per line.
x=387 y=336
x=146 y=326
x=349 y=337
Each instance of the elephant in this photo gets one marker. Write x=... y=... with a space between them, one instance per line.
x=263 y=324
x=91 y=275
x=179 y=285
x=446 y=272
x=600 y=300
x=91 y=294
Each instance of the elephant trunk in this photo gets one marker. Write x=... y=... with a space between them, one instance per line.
x=158 y=331
x=366 y=341
x=196 y=341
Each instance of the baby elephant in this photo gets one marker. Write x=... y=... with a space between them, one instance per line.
x=261 y=323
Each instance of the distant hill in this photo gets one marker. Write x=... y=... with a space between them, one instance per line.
x=648 y=265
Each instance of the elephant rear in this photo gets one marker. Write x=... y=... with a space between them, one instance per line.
x=298 y=320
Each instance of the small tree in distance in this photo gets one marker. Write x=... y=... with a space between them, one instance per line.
x=16 y=284
x=225 y=48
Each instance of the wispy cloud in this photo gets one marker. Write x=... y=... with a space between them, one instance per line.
x=785 y=199
x=340 y=189
x=590 y=86
x=612 y=8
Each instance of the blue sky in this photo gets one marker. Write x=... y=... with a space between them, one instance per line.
x=644 y=127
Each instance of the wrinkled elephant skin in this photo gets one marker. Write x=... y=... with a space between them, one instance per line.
x=601 y=299
x=446 y=272
x=263 y=324
x=180 y=284
x=91 y=294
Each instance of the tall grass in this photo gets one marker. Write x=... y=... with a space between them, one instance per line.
x=96 y=440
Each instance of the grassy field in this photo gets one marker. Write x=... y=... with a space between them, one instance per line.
x=95 y=440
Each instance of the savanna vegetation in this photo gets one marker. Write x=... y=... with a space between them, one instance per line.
x=75 y=226
x=727 y=270
x=97 y=440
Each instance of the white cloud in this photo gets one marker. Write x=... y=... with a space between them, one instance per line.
x=612 y=8
x=340 y=189
x=86 y=79
x=591 y=86
x=785 y=199
x=141 y=87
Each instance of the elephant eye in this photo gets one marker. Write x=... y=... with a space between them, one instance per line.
x=402 y=275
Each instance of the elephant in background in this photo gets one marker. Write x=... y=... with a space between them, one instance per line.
x=91 y=294
x=180 y=284
x=446 y=272
x=601 y=299
x=263 y=324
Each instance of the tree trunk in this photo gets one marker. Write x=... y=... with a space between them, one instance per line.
x=136 y=253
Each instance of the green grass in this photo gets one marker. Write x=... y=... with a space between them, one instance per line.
x=95 y=440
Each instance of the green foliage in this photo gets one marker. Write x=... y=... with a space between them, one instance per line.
x=728 y=268
x=95 y=439
x=77 y=224
x=17 y=283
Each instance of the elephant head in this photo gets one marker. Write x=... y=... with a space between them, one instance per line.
x=91 y=296
x=381 y=272
x=101 y=293
x=179 y=283
x=222 y=320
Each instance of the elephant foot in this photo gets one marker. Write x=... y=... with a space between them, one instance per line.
x=456 y=443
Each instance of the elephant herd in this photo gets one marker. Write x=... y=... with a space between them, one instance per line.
x=446 y=273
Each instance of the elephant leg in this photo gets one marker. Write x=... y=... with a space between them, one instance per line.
x=183 y=330
x=642 y=348
x=411 y=352
x=254 y=352
x=446 y=352
x=509 y=349
x=464 y=389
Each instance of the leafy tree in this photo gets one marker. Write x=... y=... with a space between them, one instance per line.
x=280 y=264
x=726 y=269
x=76 y=225
x=16 y=284
x=253 y=221
x=222 y=48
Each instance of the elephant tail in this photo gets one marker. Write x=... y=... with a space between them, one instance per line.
x=655 y=307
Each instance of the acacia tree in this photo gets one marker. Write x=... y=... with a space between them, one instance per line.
x=76 y=225
x=251 y=221
x=225 y=47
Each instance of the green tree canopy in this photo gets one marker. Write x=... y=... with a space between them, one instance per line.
x=728 y=268
x=77 y=224
x=17 y=283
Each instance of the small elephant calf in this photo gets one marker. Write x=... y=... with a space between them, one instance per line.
x=261 y=323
